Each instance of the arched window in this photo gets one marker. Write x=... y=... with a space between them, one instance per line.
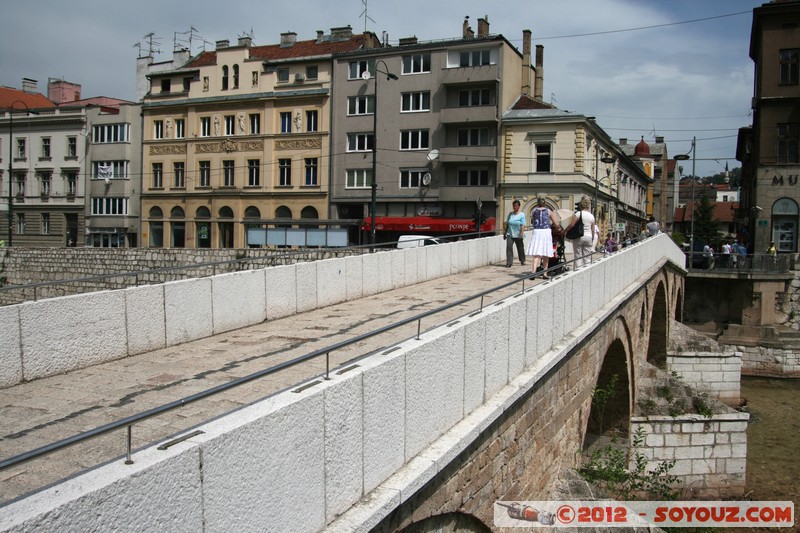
x=225 y=226
x=177 y=227
x=202 y=227
x=155 y=212
x=236 y=76
x=202 y=212
x=177 y=212
x=309 y=212
x=225 y=212
x=252 y=212
x=283 y=212
x=225 y=77
x=784 y=224
x=156 y=228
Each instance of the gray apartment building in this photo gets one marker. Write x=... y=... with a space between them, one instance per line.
x=431 y=111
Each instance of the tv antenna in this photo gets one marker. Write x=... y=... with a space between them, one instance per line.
x=151 y=45
x=365 y=15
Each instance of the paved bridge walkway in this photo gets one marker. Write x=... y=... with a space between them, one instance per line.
x=38 y=413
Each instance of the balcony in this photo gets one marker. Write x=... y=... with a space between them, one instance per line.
x=466 y=75
x=466 y=194
x=467 y=154
x=466 y=115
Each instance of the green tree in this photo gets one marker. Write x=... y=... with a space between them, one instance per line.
x=705 y=227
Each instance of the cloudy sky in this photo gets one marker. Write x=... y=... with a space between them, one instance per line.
x=675 y=68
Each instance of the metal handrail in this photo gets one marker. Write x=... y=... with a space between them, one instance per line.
x=128 y=422
x=759 y=263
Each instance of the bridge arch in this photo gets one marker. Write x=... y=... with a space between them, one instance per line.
x=612 y=400
x=659 y=327
x=460 y=522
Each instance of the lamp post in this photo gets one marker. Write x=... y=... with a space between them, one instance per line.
x=608 y=159
x=684 y=157
x=374 y=199
x=11 y=164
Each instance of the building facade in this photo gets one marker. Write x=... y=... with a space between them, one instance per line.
x=238 y=139
x=770 y=150
x=422 y=120
x=564 y=157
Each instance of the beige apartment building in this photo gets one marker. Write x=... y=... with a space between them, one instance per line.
x=238 y=138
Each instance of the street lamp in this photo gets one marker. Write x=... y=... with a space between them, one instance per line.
x=684 y=157
x=10 y=110
x=374 y=201
x=608 y=159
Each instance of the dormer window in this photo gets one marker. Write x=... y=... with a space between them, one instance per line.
x=225 y=78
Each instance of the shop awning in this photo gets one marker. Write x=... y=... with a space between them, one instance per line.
x=428 y=225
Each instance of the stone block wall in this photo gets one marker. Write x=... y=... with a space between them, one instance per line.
x=770 y=361
x=716 y=374
x=710 y=453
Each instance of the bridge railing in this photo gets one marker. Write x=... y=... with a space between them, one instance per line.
x=740 y=264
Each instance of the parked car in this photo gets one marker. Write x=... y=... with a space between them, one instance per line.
x=415 y=241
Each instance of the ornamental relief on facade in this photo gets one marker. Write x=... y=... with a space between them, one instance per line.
x=228 y=145
x=298 y=144
x=168 y=149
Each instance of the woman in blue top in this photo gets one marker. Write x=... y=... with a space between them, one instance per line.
x=541 y=245
x=515 y=230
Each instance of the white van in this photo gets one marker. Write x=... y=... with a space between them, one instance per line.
x=415 y=241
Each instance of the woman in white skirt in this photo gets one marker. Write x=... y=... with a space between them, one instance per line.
x=540 y=246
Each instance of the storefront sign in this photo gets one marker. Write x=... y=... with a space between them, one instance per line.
x=429 y=211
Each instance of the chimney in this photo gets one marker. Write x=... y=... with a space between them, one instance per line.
x=29 y=85
x=406 y=41
x=466 y=31
x=320 y=34
x=483 y=26
x=342 y=33
x=538 y=86
x=659 y=139
x=288 y=39
x=526 y=62
x=224 y=43
x=245 y=41
x=623 y=141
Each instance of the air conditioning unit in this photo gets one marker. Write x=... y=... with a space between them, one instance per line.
x=299 y=78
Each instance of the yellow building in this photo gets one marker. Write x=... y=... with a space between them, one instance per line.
x=238 y=137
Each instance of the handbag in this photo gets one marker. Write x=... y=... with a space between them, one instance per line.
x=576 y=232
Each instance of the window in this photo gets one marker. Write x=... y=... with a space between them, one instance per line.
x=109 y=206
x=20 y=179
x=286 y=122
x=20 y=223
x=360 y=105
x=473 y=177
x=360 y=142
x=473 y=137
x=187 y=84
x=357 y=68
x=285 y=172
x=21 y=149
x=178 y=169
x=359 y=179
x=228 y=174
x=158 y=175
x=471 y=97
x=111 y=133
x=236 y=76
x=45 y=223
x=416 y=63
x=166 y=85
x=72 y=147
x=542 y=157
x=230 y=124
x=44 y=183
x=311 y=120
x=205 y=174
x=46 y=147
x=414 y=140
x=311 y=172
x=180 y=128
x=312 y=72
x=255 y=124
x=109 y=170
x=411 y=179
x=789 y=66
x=72 y=183
x=158 y=129
x=253 y=172
x=787 y=143
x=205 y=126
x=475 y=58
x=225 y=77
x=418 y=101
x=283 y=74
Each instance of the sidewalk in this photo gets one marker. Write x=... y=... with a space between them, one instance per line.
x=44 y=411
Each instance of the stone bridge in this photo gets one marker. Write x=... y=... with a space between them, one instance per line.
x=494 y=405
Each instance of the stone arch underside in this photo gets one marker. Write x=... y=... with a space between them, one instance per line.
x=659 y=328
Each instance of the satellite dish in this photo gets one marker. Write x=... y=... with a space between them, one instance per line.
x=365 y=75
x=433 y=154
x=426 y=179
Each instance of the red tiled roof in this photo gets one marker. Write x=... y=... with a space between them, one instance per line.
x=299 y=50
x=9 y=97
x=526 y=102
x=723 y=211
